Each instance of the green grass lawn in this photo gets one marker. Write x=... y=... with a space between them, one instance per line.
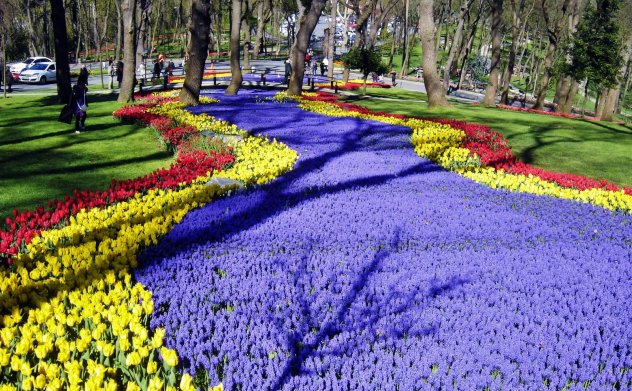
x=43 y=159
x=598 y=150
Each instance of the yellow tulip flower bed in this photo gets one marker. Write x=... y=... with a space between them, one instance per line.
x=443 y=144
x=71 y=317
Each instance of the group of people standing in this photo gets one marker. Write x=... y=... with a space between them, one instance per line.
x=115 y=69
x=311 y=66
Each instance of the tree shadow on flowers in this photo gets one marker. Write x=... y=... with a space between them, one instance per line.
x=353 y=319
x=244 y=211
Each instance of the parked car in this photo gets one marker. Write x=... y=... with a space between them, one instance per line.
x=18 y=67
x=42 y=73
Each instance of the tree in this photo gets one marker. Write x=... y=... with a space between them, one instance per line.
x=517 y=30
x=466 y=5
x=597 y=48
x=197 y=50
x=235 y=27
x=128 y=10
x=308 y=21
x=58 y=16
x=497 y=27
x=555 y=27
x=365 y=60
x=260 y=30
x=434 y=87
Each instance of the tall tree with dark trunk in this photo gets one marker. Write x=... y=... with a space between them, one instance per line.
x=331 y=39
x=128 y=9
x=456 y=42
x=497 y=27
x=308 y=22
x=58 y=17
x=118 y=45
x=235 y=27
x=434 y=87
x=517 y=29
x=555 y=24
x=260 y=30
x=200 y=29
x=597 y=53
x=363 y=9
x=245 y=25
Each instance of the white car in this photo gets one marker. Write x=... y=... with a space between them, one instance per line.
x=20 y=66
x=42 y=73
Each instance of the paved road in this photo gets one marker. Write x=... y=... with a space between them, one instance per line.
x=97 y=82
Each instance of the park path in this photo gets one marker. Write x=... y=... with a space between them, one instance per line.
x=368 y=267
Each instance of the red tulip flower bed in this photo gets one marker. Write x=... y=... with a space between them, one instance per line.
x=20 y=229
x=493 y=150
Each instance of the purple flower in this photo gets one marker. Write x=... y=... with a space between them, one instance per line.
x=369 y=267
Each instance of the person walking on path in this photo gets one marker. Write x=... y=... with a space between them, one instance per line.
x=83 y=75
x=112 y=73
x=8 y=79
x=314 y=68
x=79 y=103
x=288 y=70
x=119 y=72
x=156 y=70
x=324 y=66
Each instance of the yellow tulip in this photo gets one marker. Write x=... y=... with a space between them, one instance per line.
x=155 y=384
x=132 y=387
x=5 y=357
x=219 y=387
x=169 y=356
x=40 y=381
x=156 y=340
x=132 y=359
x=27 y=383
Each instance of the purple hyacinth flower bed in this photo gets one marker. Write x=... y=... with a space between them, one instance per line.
x=367 y=267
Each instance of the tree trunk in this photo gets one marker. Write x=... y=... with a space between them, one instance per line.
x=470 y=43
x=332 y=39
x=492 y=86
x=600 y=102
x=360 y=28
x=245 y=23
x=612 y=98
x=4 y=61
x=561 y=91
x=555 y=29
x=260 y=30
x=345 y=32
x=143 y=19
x=58 y=18
x=610 y=103
x=305 y=30
x=128 y=9
x=119 y=30
x=456 y=42
x=546 y=77
x=235 y=27
x=440 y=28
x=277 y=51
x=517 y=29
x=567 y=99
x=627 y=79
x=434 y=88
x=197 y=50
x=404 y=68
